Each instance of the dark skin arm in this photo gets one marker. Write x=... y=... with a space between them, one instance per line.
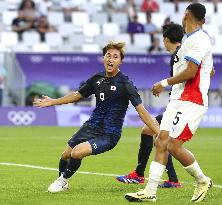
x=187 y=74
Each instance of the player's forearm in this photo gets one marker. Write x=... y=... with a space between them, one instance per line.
x=147 y=119
x=70 y=98
x=187 y=74
x=182 y=77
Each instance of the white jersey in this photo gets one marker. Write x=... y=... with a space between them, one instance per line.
x=196 y=48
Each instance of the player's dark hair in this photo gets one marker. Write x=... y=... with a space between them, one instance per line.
x=198 y=10
x=115 y=45
x=174 y=32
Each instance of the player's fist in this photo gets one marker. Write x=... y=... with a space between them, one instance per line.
x=157 y=89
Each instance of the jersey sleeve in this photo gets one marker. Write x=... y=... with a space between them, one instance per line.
x=86 y=89
x=133 y=94
x=198 y=48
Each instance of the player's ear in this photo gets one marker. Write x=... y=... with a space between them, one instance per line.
x=188 y=15
x=168 y=40
x=185 y=15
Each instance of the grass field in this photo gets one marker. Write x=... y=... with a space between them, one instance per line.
x=42 y=146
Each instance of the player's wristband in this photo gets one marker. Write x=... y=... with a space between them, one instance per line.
x=164 y=83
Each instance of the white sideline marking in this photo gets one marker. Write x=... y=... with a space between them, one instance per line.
x=80 y=172
x=53 y=169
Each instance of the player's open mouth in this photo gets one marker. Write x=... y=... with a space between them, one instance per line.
x=110 y=65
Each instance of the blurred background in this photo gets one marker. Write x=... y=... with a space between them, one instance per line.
x=52 y=47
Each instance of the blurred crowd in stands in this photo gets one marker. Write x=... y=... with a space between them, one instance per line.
x=107 y=19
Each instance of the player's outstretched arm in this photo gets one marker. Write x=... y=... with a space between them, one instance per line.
x=46 y=101
x=147 y=118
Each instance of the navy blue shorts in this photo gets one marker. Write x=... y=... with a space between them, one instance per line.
x=99 y=141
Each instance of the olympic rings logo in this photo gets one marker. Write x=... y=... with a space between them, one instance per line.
x=21 y=117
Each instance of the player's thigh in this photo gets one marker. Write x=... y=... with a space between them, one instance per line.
x=102 y=144
x=81 y=150
x=186 y=120
x=82 y=135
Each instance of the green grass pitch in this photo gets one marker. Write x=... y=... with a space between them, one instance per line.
x=42 y=146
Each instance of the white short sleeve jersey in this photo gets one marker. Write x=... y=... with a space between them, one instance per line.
x=196 y=48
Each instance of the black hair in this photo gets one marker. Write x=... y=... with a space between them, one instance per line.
x=174 y=32
x=198 y=10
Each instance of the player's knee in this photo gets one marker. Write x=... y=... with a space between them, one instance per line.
x=77 y=153
x=65 y=155
x=161 y=142
x=160 y=145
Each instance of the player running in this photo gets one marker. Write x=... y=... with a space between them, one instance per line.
x=102 y=131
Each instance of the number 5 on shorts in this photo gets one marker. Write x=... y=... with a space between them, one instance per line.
x=176 y=119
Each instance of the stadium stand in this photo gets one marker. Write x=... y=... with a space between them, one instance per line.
x=95 y=22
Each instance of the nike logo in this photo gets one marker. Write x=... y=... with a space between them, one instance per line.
x=198 y=197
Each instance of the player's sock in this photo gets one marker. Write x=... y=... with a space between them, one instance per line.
x=195 y=171
x=146 y=146
x=62 y=166
x=72 y=166
x=155 y=174
x=170 y=170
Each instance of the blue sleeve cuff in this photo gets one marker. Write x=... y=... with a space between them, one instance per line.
x=192 y=59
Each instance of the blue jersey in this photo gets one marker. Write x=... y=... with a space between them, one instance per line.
x=112 y=99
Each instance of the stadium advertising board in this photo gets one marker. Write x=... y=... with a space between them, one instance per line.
x=73 y=69
x=27 y=116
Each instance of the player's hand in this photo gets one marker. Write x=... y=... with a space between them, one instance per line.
x=45 y=101
x=157 y=89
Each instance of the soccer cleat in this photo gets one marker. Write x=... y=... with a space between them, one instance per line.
x=58 y=185
x=201 y=190
x=169 y=184
x=131 y=178
x=140 y=196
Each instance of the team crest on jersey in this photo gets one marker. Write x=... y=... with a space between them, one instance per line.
x=100 y=81
x=113 y=87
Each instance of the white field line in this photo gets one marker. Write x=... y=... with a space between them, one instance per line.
x=53 y=169
x=80 y=172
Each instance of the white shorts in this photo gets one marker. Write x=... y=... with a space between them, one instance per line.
x=182 y=119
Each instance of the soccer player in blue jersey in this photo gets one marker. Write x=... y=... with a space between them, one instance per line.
x=102 y=131
x=173 y=35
